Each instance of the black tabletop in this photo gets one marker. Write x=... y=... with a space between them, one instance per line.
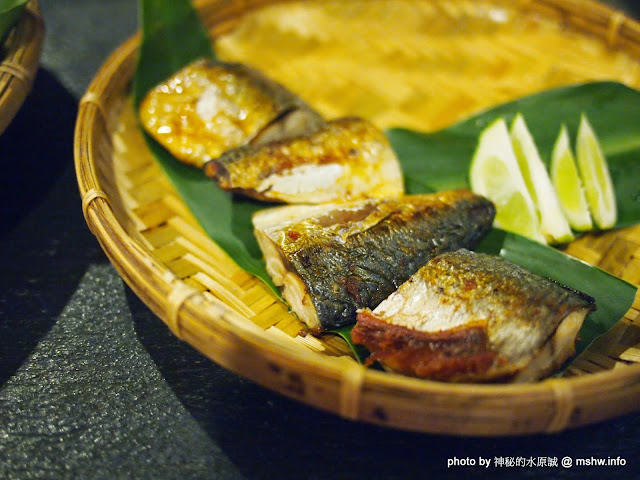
x=93 y=385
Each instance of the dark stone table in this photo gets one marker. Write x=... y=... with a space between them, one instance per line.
x=93 y=385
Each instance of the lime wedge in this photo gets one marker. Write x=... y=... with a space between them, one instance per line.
x=553 y=224
x=566 y=180
x=595 y=175
x=495 y=174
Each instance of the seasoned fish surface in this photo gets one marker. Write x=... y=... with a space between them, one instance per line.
x=346 y=159
x=474 y=317
x=209 y=107
x=331 y=260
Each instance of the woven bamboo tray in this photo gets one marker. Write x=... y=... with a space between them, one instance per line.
x=19 y=56
x=208 y=301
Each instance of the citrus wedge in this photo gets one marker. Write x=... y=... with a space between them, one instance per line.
x=595 y=175
x=566 y=180
x=553 y=223
x=494 y=173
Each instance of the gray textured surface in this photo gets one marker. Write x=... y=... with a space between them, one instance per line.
x=88 y=389
x=93 y=385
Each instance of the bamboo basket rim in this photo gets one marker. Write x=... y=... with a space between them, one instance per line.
x=349 y=390
x=22 y=48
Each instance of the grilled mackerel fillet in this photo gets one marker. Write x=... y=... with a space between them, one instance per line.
x=346 y=159
x=474 y=317
x=333 y=259
x=209 y=107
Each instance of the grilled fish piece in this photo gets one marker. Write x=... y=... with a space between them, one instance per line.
x=474 y=317
x=347 y=158
x=333 y=259
x=209 y=107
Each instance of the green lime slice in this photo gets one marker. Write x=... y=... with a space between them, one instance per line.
x=595 y=175
x=566 y=181
x=553 y=223
x=495 y=174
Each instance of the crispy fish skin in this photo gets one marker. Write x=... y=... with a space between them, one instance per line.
x=334 y=259
x=348 y=158
x=469 y=316
x=209 y=107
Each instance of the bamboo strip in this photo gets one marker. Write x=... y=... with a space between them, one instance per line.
x=19 y=62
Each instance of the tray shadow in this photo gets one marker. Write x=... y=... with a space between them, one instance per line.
x=45 y=244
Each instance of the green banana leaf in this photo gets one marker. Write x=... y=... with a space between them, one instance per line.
x=440 y=160
x=173 y=36
x=10 y=11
